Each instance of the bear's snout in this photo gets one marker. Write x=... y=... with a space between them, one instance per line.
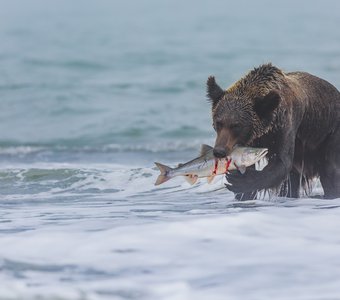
x=220 y=152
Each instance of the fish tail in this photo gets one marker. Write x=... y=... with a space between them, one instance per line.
x=163 y=177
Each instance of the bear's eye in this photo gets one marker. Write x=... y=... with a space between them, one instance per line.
x=218 y=125
x=235 y=126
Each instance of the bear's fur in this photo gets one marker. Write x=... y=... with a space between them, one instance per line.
x=295 y=115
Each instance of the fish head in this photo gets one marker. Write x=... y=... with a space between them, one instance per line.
x=257 y=153
x=248 y=156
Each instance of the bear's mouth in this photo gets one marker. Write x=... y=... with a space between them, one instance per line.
x=220 y=152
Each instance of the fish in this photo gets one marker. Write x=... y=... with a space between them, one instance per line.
x=206 y=165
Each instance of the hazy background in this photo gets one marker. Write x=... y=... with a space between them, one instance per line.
x=91 y=94
x=123 y=73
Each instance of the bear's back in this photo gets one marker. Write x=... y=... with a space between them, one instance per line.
x=320 y=106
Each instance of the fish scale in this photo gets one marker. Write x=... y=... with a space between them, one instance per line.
x=206 y=165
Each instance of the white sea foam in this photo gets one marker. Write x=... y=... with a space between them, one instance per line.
x=279 y=251
x=110 y=234
x=19 y=150
x=165 y=146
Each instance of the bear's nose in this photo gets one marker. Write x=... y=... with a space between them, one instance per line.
x=220 y=152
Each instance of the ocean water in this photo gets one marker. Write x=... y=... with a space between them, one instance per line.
x=91 y=94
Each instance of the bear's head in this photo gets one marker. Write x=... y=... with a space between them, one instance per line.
x=240 y=114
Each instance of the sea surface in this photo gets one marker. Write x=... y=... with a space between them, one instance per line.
x=91 y=94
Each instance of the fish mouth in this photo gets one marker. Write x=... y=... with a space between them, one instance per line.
x=262 y=153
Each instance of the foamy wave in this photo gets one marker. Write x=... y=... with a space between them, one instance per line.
x=49 y=180
x=152 y=147
x=80 y=252
x=169 y=146
x=18 y=150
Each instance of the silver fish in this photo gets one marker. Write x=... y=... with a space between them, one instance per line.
x=206 y=165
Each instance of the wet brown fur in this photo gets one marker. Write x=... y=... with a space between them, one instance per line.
x=296 y=115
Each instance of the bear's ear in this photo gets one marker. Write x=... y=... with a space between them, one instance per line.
x=264 y=106
x=214 y=92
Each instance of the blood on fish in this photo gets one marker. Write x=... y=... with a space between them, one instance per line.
x=227 y=164
x=215 y=168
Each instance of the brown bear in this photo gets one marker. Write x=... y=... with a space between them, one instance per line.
x=295 y=115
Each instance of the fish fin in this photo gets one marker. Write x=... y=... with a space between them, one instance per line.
x=163 y=177
x=210 y=178
x=191 y=178
x=205 y=149
x=241 y=168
